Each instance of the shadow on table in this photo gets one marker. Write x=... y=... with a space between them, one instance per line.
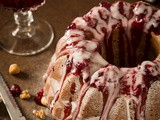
x=22 y=75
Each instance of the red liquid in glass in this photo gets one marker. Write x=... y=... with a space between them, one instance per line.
x=21 y=4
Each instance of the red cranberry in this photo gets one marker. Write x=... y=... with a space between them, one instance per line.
x=73 y=88
x=69 y=66
x=105 y=4
x=71 y=26
x=15 y=90
x=40 y=92
x=104 y=30
x=67 y=109
x=121 y=8
x=38 y=97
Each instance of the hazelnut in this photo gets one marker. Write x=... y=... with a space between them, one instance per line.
x=44 y=101
x=39 y=113
x=14 y=69
x=25 y=94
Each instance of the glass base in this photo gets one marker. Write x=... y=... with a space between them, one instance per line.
x=32 y=44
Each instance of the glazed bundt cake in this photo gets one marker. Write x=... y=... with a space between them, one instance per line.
x=107 y=65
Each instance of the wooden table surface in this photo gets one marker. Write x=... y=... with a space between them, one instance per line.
x=59 y=13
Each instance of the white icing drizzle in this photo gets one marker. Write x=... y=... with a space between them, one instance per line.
x=110 y=81
x=142 y=8
x=117 y=15
x=81 y=24
x=100 y=23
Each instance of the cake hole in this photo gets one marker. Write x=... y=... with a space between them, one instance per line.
x=127 y=49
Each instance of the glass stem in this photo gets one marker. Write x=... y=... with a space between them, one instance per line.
x=24 y=28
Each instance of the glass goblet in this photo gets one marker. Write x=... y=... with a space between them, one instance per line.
x=25 y=35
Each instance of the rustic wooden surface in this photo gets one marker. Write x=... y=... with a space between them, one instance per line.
x=59 y=13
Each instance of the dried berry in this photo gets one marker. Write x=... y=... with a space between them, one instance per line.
x=15 y=90
x=38 y=97
x=40 y=92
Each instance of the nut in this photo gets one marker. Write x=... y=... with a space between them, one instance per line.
x=25 y=94
x=35 y=112
x=14 y=69
x=44 y=101
x=39 y=113
x=42 y=114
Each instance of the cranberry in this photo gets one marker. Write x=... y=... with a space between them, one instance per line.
x=71 y=26
x=38 y=97
x=79 y=68
x=105 y=4
x=73 y=88
x=40 y=92
x=69 y=66
x=100 y=74
x=104 y=30
x=67 y=110
x=15 y=90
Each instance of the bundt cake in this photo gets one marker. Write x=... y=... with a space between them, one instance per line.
x=107 y=65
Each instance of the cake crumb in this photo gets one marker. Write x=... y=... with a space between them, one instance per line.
x=39 y=113
x=25 y=94
x=14 y=69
